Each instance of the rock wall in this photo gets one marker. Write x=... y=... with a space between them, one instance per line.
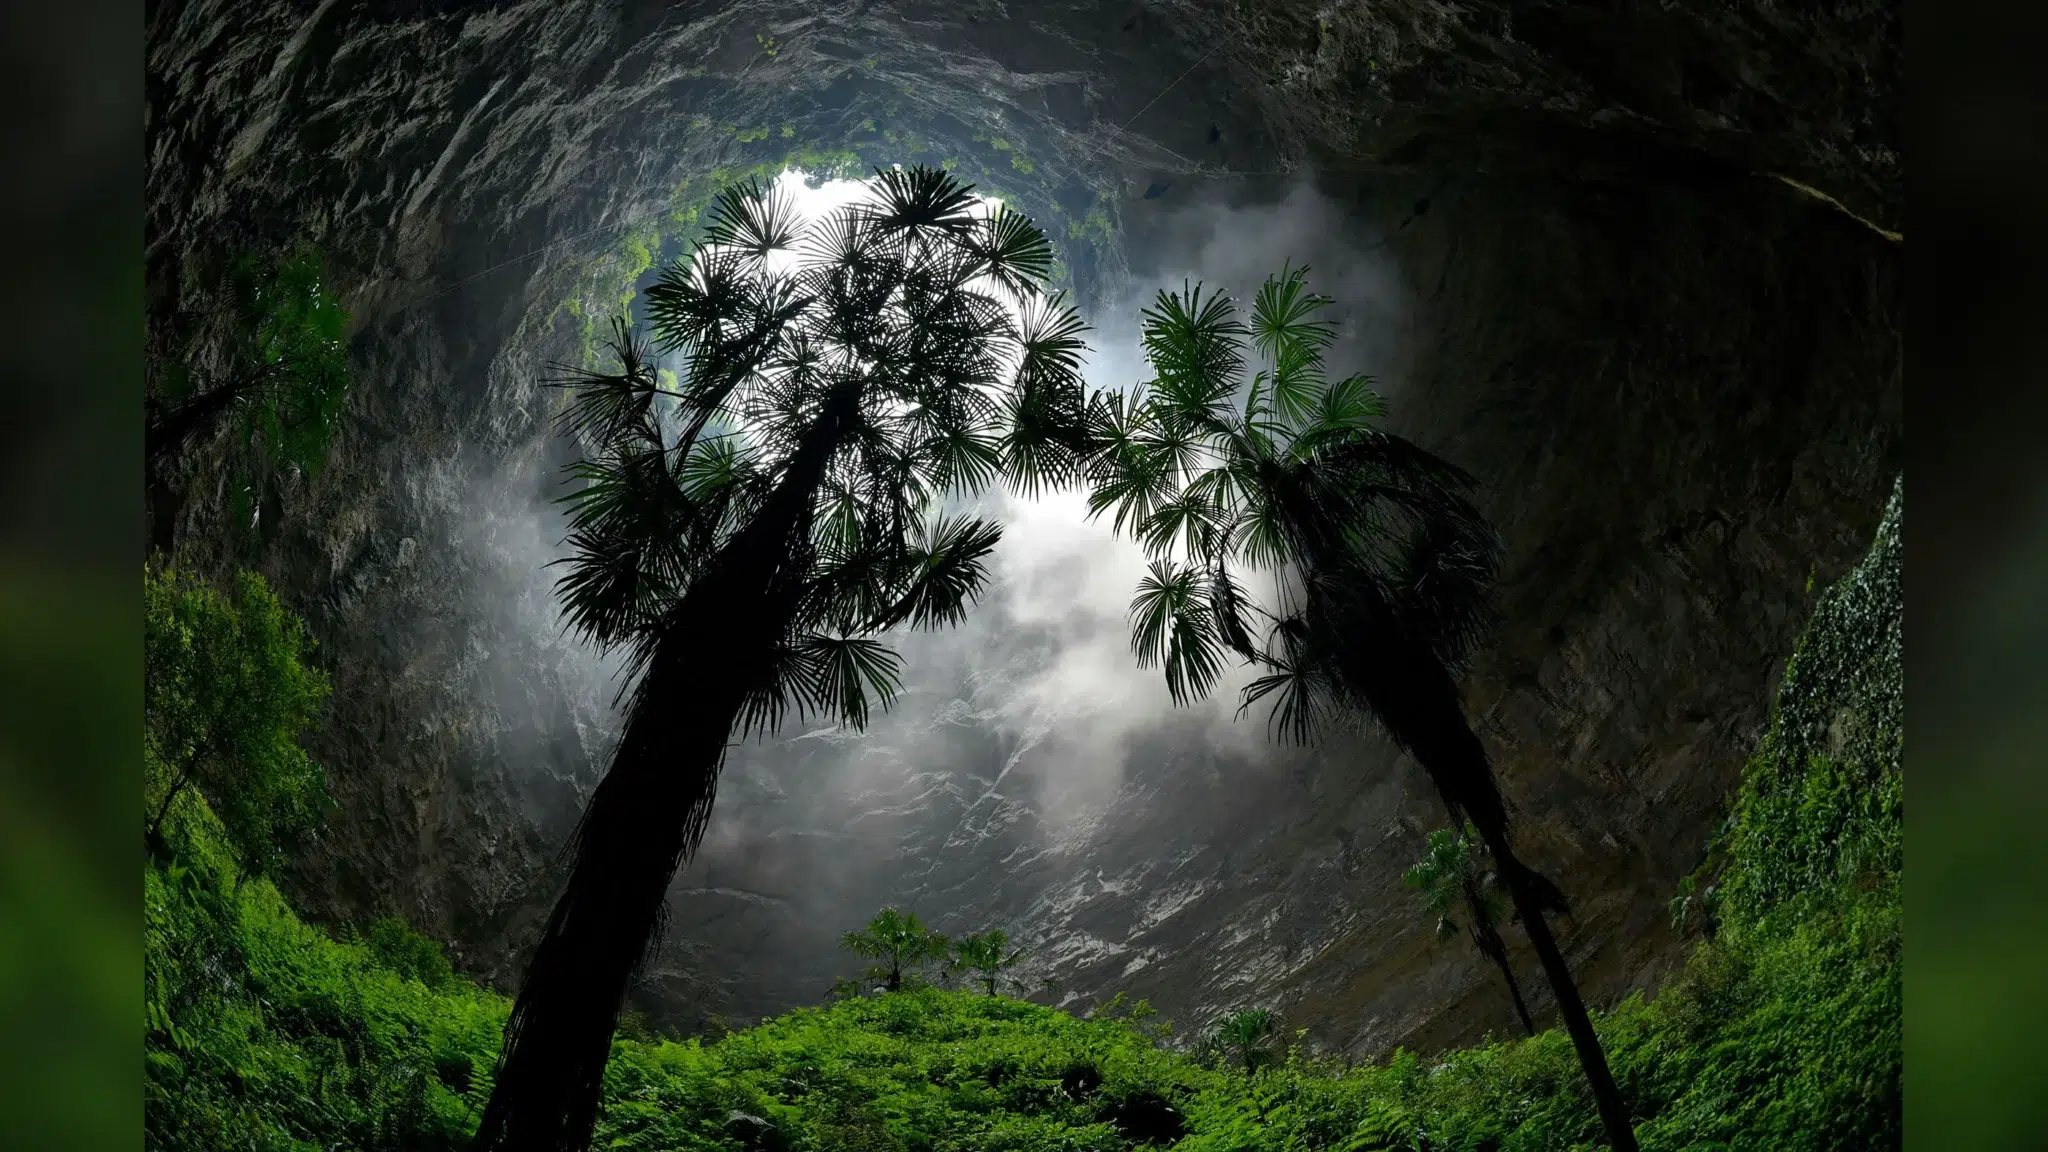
x=1647 y=296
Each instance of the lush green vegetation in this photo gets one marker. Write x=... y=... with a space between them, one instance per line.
x=228 y=692
x=263 y=1032
x=1782 y=1033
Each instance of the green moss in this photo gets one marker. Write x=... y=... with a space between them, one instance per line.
x=1095 y=227
x=1822 y=803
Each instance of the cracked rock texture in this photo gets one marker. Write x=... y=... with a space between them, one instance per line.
x=1646 y=293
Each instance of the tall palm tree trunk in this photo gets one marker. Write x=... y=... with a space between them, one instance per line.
x=647 y=818
x=1526 y=889
x=643 y=821
x=1534 y=896
x=1495 y=949
x=1412 y=692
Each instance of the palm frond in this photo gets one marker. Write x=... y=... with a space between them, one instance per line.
x=1336 y=417
x=1047 y=421
x=753 y=220
x=1302 y=700
x=1444 y=578
x=846 y=677
x=1284 y=314
x=946 y=565
x=1014 y=253
x=630 y=525
x=1288 y=332
x=607 y=408
x=1171 y=627
x=1188 y=519
x=964 y=461
x=1193 y=346
x=1306 y=696
x=1126 y=471
x=1228 y=607
x=783 y=688
x=918 y=201
x=1259 y=536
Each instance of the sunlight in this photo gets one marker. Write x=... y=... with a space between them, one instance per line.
x=814 y=201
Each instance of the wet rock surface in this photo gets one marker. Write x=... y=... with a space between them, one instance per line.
x=1675 y=375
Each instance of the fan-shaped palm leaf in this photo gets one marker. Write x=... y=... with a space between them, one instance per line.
x=1173 y=629
x=752 y=221
x=945 y=569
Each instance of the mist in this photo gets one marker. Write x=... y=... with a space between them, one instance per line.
x=1024 y=740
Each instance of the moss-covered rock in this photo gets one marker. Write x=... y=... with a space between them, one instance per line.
x=1823 y=802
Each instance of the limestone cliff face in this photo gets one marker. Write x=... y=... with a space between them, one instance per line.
x=1675 y=374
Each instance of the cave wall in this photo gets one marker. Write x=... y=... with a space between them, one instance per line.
x=1675 y=374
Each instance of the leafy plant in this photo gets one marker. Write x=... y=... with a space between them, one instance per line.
x=270 y=361
x=228 y=689
x=1248 y=1038
x=1694 y=905
x=1448 y=875
x=408 y=953
x=901 y=942
x=989 y=956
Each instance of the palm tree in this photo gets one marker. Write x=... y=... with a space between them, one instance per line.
x=901 y=942
x=745 y=532
x=1449 y=874
x=987 y=955
x=1378 y=563
x=1248 y=1035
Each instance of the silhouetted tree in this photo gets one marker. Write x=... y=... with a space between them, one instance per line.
x=746 y=534
x=901 y=942
x=1379 y=563
x=1449 y=874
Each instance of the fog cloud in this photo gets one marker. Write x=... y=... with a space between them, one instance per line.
x=1016 y=729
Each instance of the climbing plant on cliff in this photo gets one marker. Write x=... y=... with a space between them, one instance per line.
x=269 y=362
x=745 y=536
x=1376 y=559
